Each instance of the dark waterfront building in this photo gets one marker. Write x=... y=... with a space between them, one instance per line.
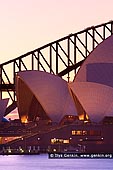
x=75 y=137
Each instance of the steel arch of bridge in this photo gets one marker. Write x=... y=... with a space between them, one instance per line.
x=61 y=57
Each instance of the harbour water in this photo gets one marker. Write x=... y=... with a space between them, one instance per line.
x=39 y=162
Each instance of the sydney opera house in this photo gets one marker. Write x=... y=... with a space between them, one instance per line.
x=75 y=116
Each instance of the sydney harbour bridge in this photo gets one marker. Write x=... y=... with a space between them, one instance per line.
x=62 y=57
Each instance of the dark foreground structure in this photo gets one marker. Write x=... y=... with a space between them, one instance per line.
x=76 y=137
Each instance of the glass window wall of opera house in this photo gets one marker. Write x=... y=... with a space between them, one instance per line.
x=59 y=116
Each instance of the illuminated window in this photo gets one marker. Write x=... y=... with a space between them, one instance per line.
x=76 y=132
x=79 y=132
x=53 y=141
x=59 y=141
x=73 y=132
x=84 y=132
x=81 y=117
x=24 y=119
x=56 y=141
x=66 y=141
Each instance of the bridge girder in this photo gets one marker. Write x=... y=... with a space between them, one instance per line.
x=61 y=57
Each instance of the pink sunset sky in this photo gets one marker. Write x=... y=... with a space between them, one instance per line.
x=29 y=24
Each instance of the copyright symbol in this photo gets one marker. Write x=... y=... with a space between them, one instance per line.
x=51 y=155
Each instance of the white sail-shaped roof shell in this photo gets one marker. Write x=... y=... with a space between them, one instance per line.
x=98 y=67
x=93 y=84
x=3 y=106
x=96 y=99
x=51 y=92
